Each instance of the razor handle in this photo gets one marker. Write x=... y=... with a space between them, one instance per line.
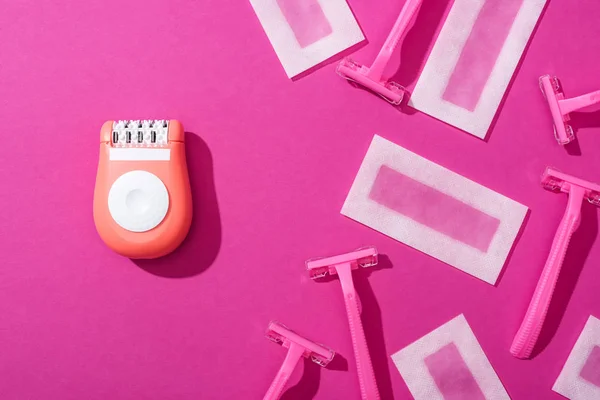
x=364 y=367
x=294 y=354
x=530 y=329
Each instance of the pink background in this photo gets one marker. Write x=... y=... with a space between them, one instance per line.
x=271 y=161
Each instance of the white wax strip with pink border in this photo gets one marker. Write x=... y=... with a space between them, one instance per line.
x=473 y=60
x=449 y=363
x=580 y=377
x=434 y=210
x=304 y=33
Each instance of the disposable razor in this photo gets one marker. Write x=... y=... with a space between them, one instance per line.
x=560 y=107
x=577 y=190
x=142 y=199
x=298 y=347
x=372 y=78
x=343 y=265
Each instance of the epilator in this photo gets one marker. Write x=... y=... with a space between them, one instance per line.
x=142 y=199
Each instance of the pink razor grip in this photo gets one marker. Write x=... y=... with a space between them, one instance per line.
x=364 y=367
x=530 y=329
x=406 y=17
x=294 y=354
x=586 y=102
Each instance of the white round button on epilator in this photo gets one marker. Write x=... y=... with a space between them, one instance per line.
x=138 y=201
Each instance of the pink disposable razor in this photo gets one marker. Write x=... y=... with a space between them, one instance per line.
x=577 y=189
x=372 y=78
x=560 y=108
x=297 y=347
x=343 y=265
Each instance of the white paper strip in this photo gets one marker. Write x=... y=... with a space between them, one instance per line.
x=434 y=210
x=306 y=32
x=449 y=363
x=473 y=61
x=580 y=377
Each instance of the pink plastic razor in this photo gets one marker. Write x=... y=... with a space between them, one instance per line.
x=560 y=108
x=372 y=78
x=297 y=347
x=577 y=189
x=343 y=265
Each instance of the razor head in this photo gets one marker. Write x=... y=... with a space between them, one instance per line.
x=365 y=257
x=552 y=91
x=557 y=181
x=284 y=336
x=357 y=73
x=140 y=133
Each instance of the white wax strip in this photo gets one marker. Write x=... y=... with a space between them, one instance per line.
x=434 y=210
x=449 y=363
x=580 y=377
x=304 y=33
x=473 y=60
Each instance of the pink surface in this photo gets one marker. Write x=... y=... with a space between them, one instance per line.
x=434 y=209
x=307 y=20
x=452 y=376
x=591 y=369
x=271 y=161
x=481 y=51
